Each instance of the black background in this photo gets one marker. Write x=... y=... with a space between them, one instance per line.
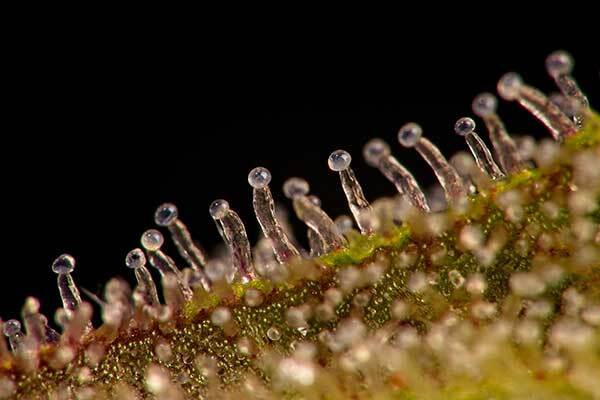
x=98 y=134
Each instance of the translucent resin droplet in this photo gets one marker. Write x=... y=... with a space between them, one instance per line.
x=64 y=264
x=152 y=240
x=165 y=214
x=218 y=209
x=339 y=160
x=295 y=187
x=410 y=134
x=259 y=178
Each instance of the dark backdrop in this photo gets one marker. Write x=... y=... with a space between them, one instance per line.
x=97 y=135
